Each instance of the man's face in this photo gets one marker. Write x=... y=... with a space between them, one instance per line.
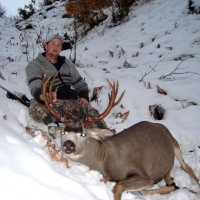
x=53 y=47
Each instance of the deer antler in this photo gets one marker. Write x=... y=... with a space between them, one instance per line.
x=114 y=90
x=47 y=95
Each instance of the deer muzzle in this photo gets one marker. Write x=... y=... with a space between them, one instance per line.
x=69 y=147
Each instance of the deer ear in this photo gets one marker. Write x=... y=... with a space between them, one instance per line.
x=100 y=134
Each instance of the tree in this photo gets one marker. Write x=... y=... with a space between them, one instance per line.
x=120 y=9
x=28 y=10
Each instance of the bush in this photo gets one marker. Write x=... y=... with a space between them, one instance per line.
x=87 y=12
x=28 y=10
x=194 y=6
x=47 y=2
x=29 y=26
x=120 y=9
x=90 y=12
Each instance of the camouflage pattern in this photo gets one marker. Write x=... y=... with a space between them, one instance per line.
x=69 y=109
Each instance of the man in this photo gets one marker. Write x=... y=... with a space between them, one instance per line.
x=71 y=94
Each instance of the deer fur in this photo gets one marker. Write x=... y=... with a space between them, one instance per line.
x=136 y=158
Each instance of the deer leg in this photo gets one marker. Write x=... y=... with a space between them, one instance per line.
x=132 y=183
x=170 y=186
x=162 y=190
x=184 y=166
x=169 y=181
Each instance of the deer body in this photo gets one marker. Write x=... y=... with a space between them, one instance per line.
x=121 y=154
x=135 y=158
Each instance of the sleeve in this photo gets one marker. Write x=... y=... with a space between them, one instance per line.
x=34 y=79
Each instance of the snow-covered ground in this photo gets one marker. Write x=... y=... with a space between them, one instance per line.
x=159 y=37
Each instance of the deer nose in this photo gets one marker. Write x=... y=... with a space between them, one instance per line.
x=68 y=146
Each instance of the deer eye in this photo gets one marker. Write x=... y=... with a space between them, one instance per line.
x=83 y=135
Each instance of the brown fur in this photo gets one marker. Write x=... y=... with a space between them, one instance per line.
x=135 y=158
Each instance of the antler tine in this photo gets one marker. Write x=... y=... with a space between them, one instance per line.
x=116 y=87
x=112 y=96
x=44 y=87
x=51 y=87
x=119 y=100
x=47 y=100
x=112 y=88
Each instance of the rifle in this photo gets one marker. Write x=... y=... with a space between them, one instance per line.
x=22 y=99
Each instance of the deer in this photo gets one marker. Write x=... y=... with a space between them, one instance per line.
x=135 y=158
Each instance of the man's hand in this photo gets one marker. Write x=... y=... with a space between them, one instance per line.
x=54 y=96
x=83 y=101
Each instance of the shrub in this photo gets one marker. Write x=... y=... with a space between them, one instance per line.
x=87 y=12
x=47 y=2
x=28 y=10
x=120 y=9
x=29 y=26
x=90 y=12
x=194 y=6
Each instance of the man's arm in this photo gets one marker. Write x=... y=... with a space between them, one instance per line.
x=34 y=80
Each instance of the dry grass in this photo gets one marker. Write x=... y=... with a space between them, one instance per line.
x=55 y=154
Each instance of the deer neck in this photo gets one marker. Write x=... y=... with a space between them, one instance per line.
x=94 y=148
x=93 y=154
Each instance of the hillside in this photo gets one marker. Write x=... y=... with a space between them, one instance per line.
x=158 y=46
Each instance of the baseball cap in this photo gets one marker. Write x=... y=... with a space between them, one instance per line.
x=51 y=37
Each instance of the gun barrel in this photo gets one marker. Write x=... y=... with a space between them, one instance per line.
x=3 y=88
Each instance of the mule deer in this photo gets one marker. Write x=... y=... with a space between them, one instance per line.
x=136 y=158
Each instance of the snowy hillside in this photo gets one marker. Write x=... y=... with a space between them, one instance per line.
x=158 y=46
